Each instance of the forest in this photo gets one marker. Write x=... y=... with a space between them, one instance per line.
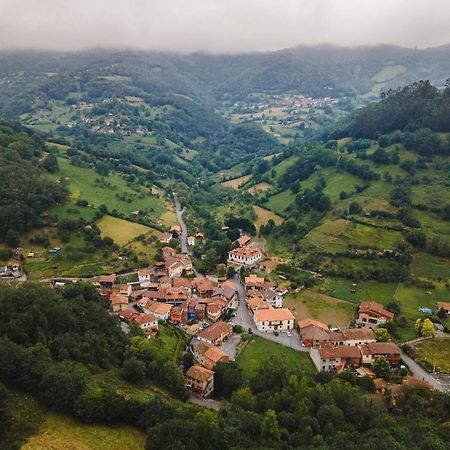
x=55 y=343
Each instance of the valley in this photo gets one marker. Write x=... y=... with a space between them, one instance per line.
x=184 y=215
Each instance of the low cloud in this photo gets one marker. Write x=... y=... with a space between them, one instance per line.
x=220 y=25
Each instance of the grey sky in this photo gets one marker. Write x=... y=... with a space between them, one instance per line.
x=221 y=25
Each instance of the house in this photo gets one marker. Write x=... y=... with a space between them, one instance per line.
x=175 y=269
x=121 y=289
x=243 y=240
x=268 y=265
x=313 y=336
x=118 y=302
x=199 y=235
x=335 y=358
x=273 y=297
x=228 y=293
x=255 y=301
x=191 y=240
x=253 y=282
x=245 y=255
x=375 y=350
x=313 y=333
x=182 y=283
x=216 y=333
x=272 y=319
x=443 y=305
x=168 y=251
x=164 y=237
x=127 y=315
x=148 y=323
x=208 y=355
x=159 y=310
x=144 y=275
x=107 y=281
x=372 y=314
x=352 y=336
x=200 y=380
x=204 y=286
x=214 y=311
x=165 y=282
x=175 y=229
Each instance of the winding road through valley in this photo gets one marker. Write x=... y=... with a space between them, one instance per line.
x=179 y=212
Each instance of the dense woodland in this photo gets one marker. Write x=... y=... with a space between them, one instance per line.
x=53 y=344
x=25 y=193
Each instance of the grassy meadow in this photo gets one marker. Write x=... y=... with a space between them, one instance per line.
x=329 y=310
x=121 y=231
x=259 y=349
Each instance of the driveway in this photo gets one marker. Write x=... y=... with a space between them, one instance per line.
x=230 y=345
x=244 y=318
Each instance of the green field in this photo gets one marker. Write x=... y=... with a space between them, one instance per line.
x=337 y=235
x=87 y=184
x=435 y=351
x=279 y=202
x=426 y=265
x=410 y=298
x=314 y=305
x=36 y=428
x=259 y=349
x=336 y=182
x=119 y=230
x=282 y=167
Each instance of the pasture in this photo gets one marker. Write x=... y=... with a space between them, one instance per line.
x=58 y=431
x=279 y=202
x=314 y=305
x=337 y=235
x=264 y=215
x=236 y=183
x=260 y=350
x=435 y=351
x=121 y=231
x=112 y=191
x=263 y=186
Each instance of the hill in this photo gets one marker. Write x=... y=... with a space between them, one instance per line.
x=371 y=205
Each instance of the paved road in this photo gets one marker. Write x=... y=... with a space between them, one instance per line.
x=179 y=212
x=422 y=374
x=244 y=318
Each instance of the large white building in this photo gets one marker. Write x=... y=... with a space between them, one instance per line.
x=245 y=255
x=274 y=319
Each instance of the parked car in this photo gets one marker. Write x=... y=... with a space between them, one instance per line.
x=276 y=333
x=289 y=334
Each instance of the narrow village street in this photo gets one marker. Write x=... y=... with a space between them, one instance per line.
x=244 y=318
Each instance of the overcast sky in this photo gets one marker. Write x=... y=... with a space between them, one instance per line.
x=221 y=25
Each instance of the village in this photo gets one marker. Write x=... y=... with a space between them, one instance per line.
x=214 y=313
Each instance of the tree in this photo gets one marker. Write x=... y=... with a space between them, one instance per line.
x=382 y=367
x=12 y=238
x=382 y=335
x=227 y=378
x=244 y=398
x=133 y=370
x=270 y=428
x=416 y=238
x=62 y=383
x=50 y=163
x=393 y=306
x=354 y=208
x=427 y=329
